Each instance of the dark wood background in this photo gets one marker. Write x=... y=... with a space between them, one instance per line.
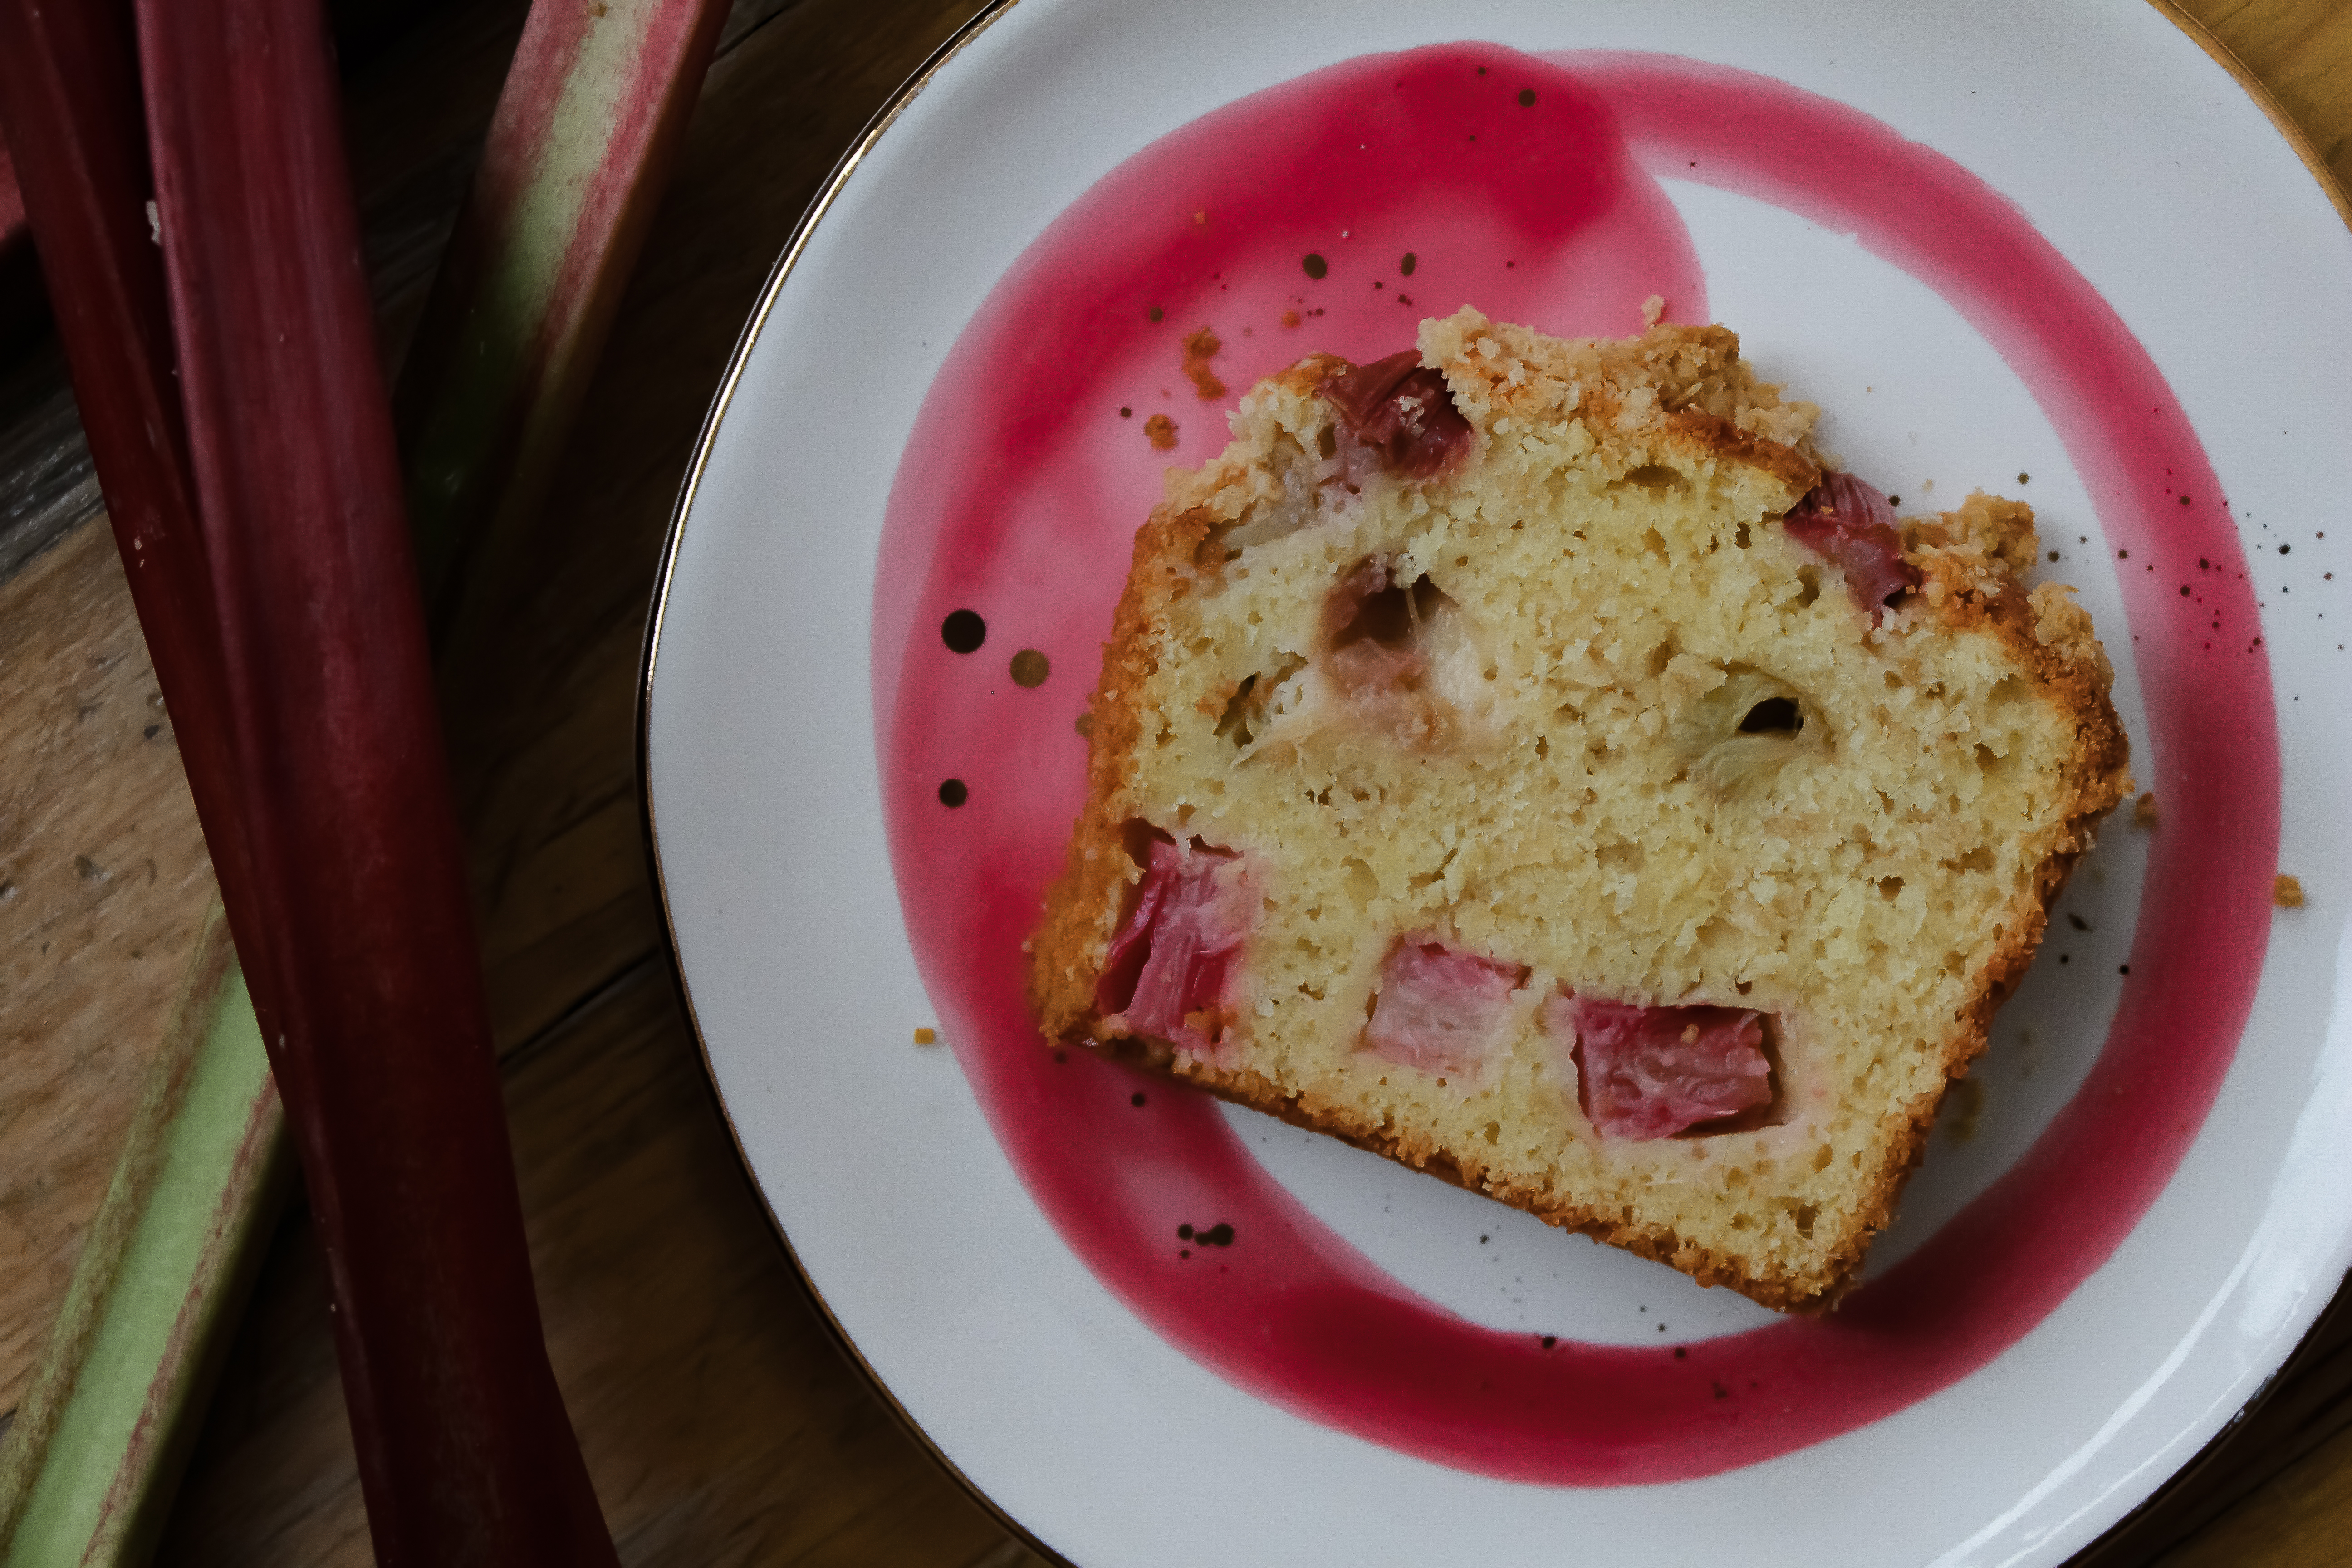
x=722 y=1424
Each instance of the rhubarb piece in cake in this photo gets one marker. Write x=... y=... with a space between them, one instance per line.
x=1528 y=760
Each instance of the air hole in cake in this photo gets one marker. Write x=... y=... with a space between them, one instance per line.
x=1657 y=480
x=1623 y=856
x=1404 y=656
x=1370 y=605
x=1735 y=739
x=1645 y=1073
x=1173 y=969
x=1261 y=698
x=1773 y=716
x=1402 y=411
x=1442 y=1009
x=1233 y=725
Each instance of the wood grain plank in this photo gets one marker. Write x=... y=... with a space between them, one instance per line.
x=2301 y=51
x=2301 y=1519
x=103 y=881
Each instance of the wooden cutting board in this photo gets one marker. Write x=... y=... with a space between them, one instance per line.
x=720 y=1422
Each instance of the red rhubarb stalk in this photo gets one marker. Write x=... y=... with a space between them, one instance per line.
x=20 y=282
x=578 y=154
x=22 y=307
x=381 y=1039
x=13 y=226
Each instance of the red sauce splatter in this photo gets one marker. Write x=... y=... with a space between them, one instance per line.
x=1015 y=497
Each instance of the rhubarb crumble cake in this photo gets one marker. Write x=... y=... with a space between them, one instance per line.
x=1533 y=761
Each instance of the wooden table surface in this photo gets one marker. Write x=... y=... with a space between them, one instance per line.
x=720 y=1423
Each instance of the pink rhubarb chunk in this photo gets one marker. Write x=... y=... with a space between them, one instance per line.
x=1847 y=522
x=1403 y=411
x=1441 y=1009
x=1653 y=1072
x=1174 y=966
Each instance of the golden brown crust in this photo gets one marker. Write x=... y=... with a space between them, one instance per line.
x=2075 y=679
x=1083 y=906
x=1680 y=390
x=1658 y=1243
x=1710 y=436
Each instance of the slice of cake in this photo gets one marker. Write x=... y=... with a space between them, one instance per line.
x=1530 y=760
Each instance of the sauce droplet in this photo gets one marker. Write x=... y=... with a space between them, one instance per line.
x=964 y=631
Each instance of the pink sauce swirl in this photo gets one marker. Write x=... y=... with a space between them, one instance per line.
x=1521 y=185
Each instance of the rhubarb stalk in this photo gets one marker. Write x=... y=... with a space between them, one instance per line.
x=20 y=282
x=578 y=154
x=162 y=1270
x=382 y=1044
x=14 y=229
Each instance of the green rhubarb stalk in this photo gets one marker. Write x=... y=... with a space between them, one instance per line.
x=579 y=151
x=89 y=1467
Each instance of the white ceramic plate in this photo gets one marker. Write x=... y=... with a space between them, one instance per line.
x=1116 y=1435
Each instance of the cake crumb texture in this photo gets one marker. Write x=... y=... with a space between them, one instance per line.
x=1399 y=783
